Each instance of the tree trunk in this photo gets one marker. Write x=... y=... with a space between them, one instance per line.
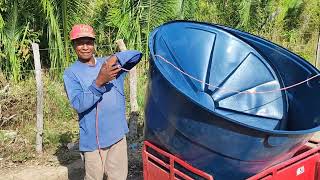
x=133 y=95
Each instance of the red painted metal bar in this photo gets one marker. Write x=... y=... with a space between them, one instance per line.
x=144 y=160
x=317 y=174
x=193 y=169
x=181 y=174
x=304 y=165
x=152 y=171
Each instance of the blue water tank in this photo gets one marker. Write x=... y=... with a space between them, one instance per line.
x=217 y=99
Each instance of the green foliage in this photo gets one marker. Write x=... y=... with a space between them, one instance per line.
x=23 y=22
x=245 y=14
x=60 y=126
x=207 y=11
x=142 y=88
x=49 y=22
x=60 y=118
x=285 y=8
x=16 y=37
x=60 y=16
x=252 y=15
x=188 y=9
x=1 y=23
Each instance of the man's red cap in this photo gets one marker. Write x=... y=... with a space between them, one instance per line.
x=81 y=30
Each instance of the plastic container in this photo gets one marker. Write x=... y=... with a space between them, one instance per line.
x=214 y=99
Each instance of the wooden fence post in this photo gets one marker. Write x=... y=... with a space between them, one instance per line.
x=38 y=74
x=133 y=94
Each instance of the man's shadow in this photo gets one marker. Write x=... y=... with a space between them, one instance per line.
x=69 y=156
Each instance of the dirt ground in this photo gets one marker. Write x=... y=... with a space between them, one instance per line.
x=62 y=168
x=67 y=165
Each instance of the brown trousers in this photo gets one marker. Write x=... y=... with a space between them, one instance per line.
x=114 y=162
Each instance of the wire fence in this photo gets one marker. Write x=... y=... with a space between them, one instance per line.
x=97 y=47
x=46 y=72
x=18 y=101
x=52 y=71
x=301 y=47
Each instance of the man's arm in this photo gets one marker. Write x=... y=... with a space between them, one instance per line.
x=129 y=58
x=81 y=99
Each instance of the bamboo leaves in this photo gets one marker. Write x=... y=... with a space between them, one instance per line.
x=25 y=21
x=1 y=23
x=245 y=14
x=10 y=40
x=60 y=16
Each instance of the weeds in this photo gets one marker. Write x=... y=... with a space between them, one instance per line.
x=59 y=119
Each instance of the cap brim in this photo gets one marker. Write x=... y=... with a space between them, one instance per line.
x=82 y=36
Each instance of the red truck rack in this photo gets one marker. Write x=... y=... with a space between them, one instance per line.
x=304 y=165
x=157 y=168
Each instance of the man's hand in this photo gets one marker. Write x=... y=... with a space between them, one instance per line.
x=109 y=71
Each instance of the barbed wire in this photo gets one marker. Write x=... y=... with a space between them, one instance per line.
x=114 y=46
x=60 y=68
x=188 y=75
x=97 y=46
x=23 y=72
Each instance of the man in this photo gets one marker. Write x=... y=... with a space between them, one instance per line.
x=95 y=88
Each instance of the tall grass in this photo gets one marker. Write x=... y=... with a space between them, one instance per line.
x=60 y=120
x=286 y=22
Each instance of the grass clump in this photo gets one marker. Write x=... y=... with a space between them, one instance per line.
x=19 y=103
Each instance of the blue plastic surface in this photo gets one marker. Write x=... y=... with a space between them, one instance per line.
x=229 y=134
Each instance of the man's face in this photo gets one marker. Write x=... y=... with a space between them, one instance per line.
x=84 y=48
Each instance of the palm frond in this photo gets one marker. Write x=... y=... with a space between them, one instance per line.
x=188 y=9
x=1 y=23
x=10 y=41
x=157 y=12
x=245 y=13
x=207 y=11
x=54 y=35
x=284 y=6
